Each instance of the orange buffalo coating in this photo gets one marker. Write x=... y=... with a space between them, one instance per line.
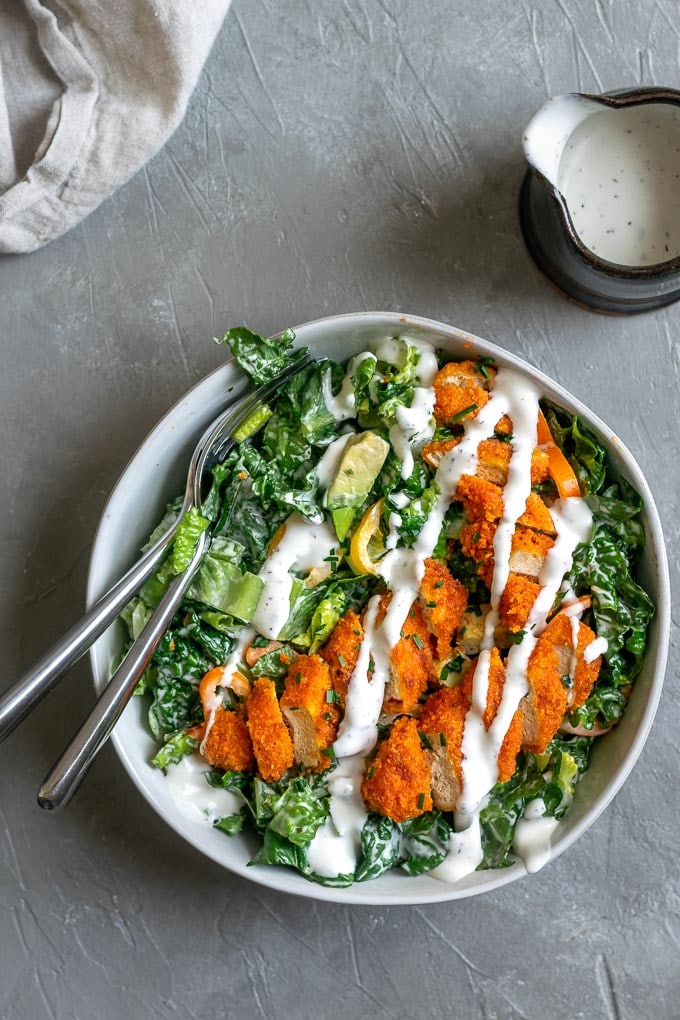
x=559 y=633
x=442 y=720
x=271 y=741
x=228 y=745
x=397 y=781
x=460 y=391
x=341 y=652
x=305 y=705
x=544 y=706
x=443 y=601
x=410 y=661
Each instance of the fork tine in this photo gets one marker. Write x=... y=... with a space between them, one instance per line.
x=220 y=440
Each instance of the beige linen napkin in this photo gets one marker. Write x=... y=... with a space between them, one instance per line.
x=89 y=91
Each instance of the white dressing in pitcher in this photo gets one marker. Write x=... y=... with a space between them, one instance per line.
x=620 y=177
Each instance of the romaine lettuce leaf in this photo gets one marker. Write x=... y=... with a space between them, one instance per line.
x=191 y=528
x=173 y=750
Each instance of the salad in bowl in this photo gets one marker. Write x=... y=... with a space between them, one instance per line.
x=419 y=613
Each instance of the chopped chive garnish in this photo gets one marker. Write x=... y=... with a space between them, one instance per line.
x=462 y=631
x=425 y=740
x=327 y=716
x=438 y=584
x=518 y=637
x=417 y=640
x=331 y=698
x=475 y=537
x=342 y=660
x=442 y=739
x=421 y=801
x=431 y=605
x=357 y=632
x=567 y=681
x=466 y=410
x=298 y=678
x=371 y=772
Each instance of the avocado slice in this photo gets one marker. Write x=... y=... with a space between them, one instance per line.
x=342 y=520
x=360 y=464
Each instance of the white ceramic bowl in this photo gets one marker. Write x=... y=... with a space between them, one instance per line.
x=156 y=473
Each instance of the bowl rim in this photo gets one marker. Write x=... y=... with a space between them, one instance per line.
x=284 y=880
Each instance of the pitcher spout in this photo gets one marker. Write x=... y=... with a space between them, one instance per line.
x=547 y=132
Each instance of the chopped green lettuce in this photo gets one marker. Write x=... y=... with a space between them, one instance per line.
x=174 y=749
x=190 y=530
x=262 y=359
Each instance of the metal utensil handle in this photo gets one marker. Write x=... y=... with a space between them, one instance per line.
x=38 y=681
x=69 y=771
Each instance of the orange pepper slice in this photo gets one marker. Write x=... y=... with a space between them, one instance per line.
x=559 y=468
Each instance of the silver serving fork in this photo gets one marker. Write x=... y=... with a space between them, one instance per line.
x=66 y=775
x=22 y=697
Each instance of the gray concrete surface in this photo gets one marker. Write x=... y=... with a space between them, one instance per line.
x=336 y=156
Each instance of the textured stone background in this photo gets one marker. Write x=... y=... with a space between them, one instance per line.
x=338 y=155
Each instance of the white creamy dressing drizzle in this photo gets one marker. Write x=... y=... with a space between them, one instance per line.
x=464 y=850
x=533 y=835
x=327 y=468
x=572 y=521
x=393 y=536
x=336 y=845
x=400 y=500
x=596 y=648
x=303 y=546
x=214 y=701
x=343 y=405
x=357 y=732
x=192 y=795
x=573 y=659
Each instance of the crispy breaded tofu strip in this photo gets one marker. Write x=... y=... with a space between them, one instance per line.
x=443 y=600
x=410 y=661
x=313 y=720
x=529 y=550
x=271 y=741
x=512 y=742
x=228 y=745
x=397 y=781
x=483 y=501
x=493 y=459
x=517 y=601
x=442 y=720
x=559 y=633
x=544 y=706
x=341 y=652
x=458 y=386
